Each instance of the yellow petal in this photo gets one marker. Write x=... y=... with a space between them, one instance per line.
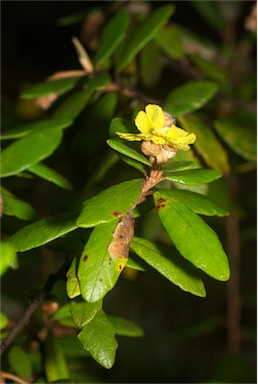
x=155 y=115
x=129 y=136
x=143 y=123
x=158 y=139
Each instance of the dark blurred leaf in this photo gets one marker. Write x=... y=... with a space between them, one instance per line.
x=97 y=81
x=189 y=97
x=23 y=130
x=16 y=207
x=142 y=34
x=29 y=150
x=73 y=105
x=98 y=271
x=43 y=231
x=206 y=143
x=3 y=320
x=20 y=362
x=118 y=124
x=124 y=327
x=194 y=176
x=72 y=282
x=51 y=86
x=240 y=138
x=55 y=364
x=210 y=69
x=110 y=204
x=98 y=338
x=50 y=174
x=198 y=203
x=150 y=65
x=112 y=35
x=210 y=12
x=8 y=257
x=169 y=40
x=193 y=238
x=175 y=270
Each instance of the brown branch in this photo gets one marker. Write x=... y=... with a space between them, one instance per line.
x=14 y=378
x=24 y=321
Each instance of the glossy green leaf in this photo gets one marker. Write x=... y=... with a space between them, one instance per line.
x=98 y=271
x=109 y=204
x=55 y=364
x=193 y=238
x=73 y=105
x=149 y=65
x=29 y=150
x=189 y=97
x=169 y=40
x=3 y=320
x=8 y=257
x=50 y=175
x=124 y=327
x=175 y=270
x=133 y=163
x=143 y=33
x=16 y=207
x=112 y=35
x=240 y=138
x=98 y=338
x=173 y=165
x=135 y=264
x=72 y=282
x=43 y=231
x=63 y=312
x=51 y=86
x=198 y=203
x=127 y=151
x=20 y=362
x=194 y=176
x=83 y=312
x=23 y=130
x=206 y=143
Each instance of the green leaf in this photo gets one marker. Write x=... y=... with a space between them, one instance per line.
x=20 y=362
x=211 y=13
x=111 y=203
x=198 y=203
x=16 y=207
x=189 y=97
x=127 y=151
x=118 y=124
x=124 y=327
x=240 y=139
x=175 y=270
x=98 y=271
x=8 y=257
x=169 y=41
x=194 y=176
x=149 y=65
x=29 y=150
x=23 y=130
x=112 y=35
x=193 y=238
x=97 y=81
x=43 y=231
x=206 y=143
x=135 y=264
x=72 y=282
x=172 y=166
x=98 y=338
x=142 y=34
x=83 y=312
x=73 y=105
x=210 y=69
x=51 y=86
x=50 y=175
x=55 y=364
x=3 y=320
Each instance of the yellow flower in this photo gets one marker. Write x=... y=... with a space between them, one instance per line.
x=158 y=126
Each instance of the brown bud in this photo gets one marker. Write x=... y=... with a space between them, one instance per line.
x=158 y=153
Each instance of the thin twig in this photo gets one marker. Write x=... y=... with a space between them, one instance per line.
x=14 y=378
x=23 y=322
